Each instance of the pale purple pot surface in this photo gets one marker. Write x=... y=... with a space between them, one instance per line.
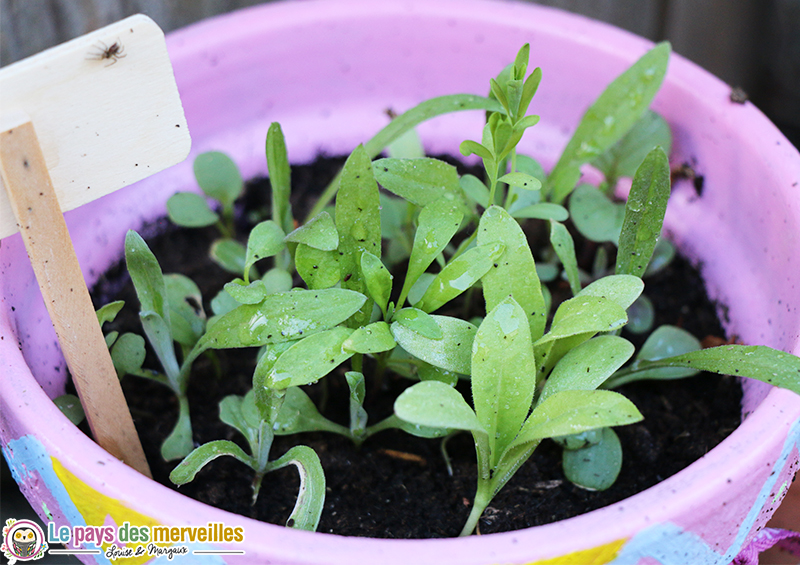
x=328 y=70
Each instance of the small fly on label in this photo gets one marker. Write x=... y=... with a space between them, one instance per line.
x=113 y=52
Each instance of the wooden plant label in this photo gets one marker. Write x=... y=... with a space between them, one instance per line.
x=102 y=123
x=77 y=122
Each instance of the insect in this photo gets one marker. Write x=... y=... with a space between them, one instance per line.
x=113 y=52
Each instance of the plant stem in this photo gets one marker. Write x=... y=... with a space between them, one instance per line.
x=324 y=395
x=358 y=362
x=492 y=190
x=482 y=499
x=464 y=245
x=257 y=486
x=381 y=360
x=445 y=455
x=224 y=230
x=385 y=424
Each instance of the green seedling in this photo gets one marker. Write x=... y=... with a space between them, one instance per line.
x=406 y=122
x=598 y=218
x=220 y=180
x=171 y=313
x=248 y=417
x=382 y=268
x=506 y=424
x=609 y=119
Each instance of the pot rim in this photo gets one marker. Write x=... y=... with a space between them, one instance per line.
x=710 y=473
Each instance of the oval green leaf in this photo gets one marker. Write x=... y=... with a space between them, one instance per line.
x=452 y=352
x=588 y=365
x=515 y=272
x=190 y=210
x=373 y=338
x=418 y=321
x=503 y=374
x=319 y=232
x=458 y=275
x=218 y=176
x=436 y=405
x=309 y=359
x=595 y=467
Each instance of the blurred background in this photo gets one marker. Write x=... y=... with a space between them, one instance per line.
x=750 y=44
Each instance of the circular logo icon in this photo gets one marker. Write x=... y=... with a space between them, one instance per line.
x=24 y=540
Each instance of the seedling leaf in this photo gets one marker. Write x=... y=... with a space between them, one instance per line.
x=588 y=365
x=644 y=214
x=436 y=405
x=373 y=338
x=280 y=317
x=420 y=181
x=521 y=180
x=475 y=190
x=279 y=177
x=179 y=442
x=358 y=416
x=583 y=314
x=641 y=315
x=190 y=210
x=378 y=280
x=458 y=275
x=439 y=220
x=624 y=157
x=565 y=249
x=108 y=312
x=452 y=352
x=299 y=414
x=146 y=275
x=128 y=354
x=187 y=318
x=160 y=338
x=202 y=456
x=515 y=272
x=595 y=467
x=70 y=406
x=319 y=269
x=277 y=280
x=418 y=321
x=230 y=255
x=319 y=232
x=753 y=361
x=311 y=498
x=574 y=411
x=595 y=216
x=610 y=117
x=620 y=289
x=428 y=372
x=503 y=374
x=219 y=177
x=230 y=412
x=358 y=222
x=252 y=293
x=309 y=359
x=265 y=240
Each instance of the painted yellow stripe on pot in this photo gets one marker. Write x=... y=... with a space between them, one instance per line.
x=95 y=506
x=599 y=555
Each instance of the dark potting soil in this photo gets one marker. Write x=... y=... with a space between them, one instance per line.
x=396 y=485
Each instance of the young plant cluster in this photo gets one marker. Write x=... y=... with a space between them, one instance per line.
x=379 y=269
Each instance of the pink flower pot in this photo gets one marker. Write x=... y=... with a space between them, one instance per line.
x=328 y=70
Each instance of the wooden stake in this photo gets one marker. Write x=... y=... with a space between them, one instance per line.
x=44 y=231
